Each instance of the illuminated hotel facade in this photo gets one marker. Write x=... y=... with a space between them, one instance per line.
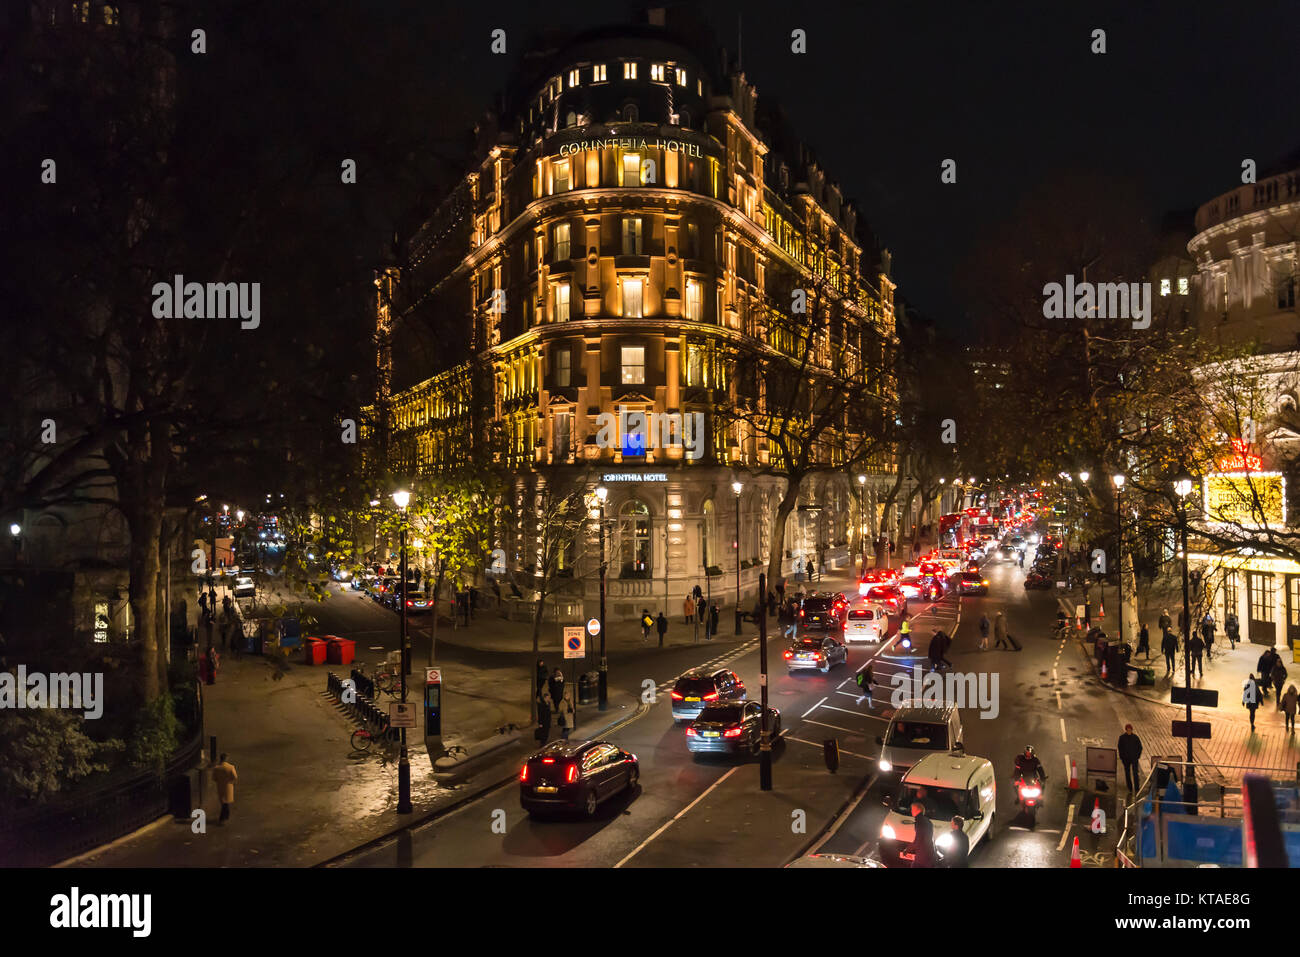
x=633 y=221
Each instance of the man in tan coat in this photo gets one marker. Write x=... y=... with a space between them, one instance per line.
x=224 y=777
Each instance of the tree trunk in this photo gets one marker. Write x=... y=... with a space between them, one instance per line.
x=144 y=523
x=783 y=511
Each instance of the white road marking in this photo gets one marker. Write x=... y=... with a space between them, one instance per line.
x=1058 y=701
x=816 y=744
x=667 y=824
x=831 y=707
x=1069 y=823
x=814 y=707
x=1064 y=739
x=848 y=813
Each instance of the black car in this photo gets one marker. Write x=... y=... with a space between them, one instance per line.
x=816 y=652
x=825 y=611
x=697 y=690
x=972 y=583
x=731 y=728
x=576 y=776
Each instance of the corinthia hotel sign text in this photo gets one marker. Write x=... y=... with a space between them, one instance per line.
x=632 y=143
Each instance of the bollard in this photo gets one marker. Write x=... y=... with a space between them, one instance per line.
x=212 y=749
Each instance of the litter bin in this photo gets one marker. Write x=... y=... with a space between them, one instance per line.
x=314 y=651
x=588 y=683
x=340 y=651
x=178 y=797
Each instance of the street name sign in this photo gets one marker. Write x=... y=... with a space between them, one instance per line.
x=1191 y=729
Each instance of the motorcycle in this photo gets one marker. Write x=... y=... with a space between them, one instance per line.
x=1029 y=793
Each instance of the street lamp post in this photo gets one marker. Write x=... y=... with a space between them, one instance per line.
x=401 y=499
x=764 y=732
x=602 y=687
x=1183 y=487
x=1118 y=479
x=736 y=487
x=862 y=520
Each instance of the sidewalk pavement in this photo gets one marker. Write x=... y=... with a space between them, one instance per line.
x=303 y=796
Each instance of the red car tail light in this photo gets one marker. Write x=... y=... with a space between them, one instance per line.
x=571 y=775
x=711 y=697
x=819 y=656
x=690 y=732
x=523 y=773
x=731 y=733
x=789 y=655
x=548 y=760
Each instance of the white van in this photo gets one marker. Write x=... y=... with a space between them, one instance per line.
x=946 y=785
x=915 y=731
x=867 y=621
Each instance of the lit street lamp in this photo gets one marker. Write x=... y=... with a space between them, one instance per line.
x=1183 y=488
x=862 y=519
x=602 y=687
x=1118 y=479
x=736 y=487
x=401 y=499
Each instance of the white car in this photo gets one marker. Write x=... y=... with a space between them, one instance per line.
x=954 y=784
x=244 y=587
x=867 y=621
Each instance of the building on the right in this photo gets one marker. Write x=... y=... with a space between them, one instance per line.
x=1245 y=253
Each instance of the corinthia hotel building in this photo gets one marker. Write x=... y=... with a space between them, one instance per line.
x=628 y=221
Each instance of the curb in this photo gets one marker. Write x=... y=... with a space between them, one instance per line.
x=855 y=796
x=470 y=797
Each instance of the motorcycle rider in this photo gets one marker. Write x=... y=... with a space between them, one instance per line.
x=1027 y=766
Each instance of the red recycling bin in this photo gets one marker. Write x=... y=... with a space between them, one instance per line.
x=341 y=650
x=314 y=651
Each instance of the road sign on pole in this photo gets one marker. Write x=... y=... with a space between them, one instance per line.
x=1191 y=729
x=401 y=714
x=1197 y=697
x=593 y=627
x=575 y=642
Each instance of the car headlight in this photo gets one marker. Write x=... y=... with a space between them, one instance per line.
x=885 y=766
x=887 y=832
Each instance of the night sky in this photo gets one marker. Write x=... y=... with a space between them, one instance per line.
x=1011 y=91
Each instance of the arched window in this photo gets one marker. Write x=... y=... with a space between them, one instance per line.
x=570 y=119
x=709 y=545
x=634 y=543
x=630 y=113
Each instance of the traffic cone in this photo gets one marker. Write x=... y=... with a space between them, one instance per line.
x=1104 y=675
x=1101 y=608
x=1074 y=775
x=1075 y=859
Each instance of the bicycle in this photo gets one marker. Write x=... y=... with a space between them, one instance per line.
x=364 y=737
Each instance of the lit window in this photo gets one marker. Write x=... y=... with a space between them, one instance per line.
x=631 y=299
x=699 y=87
x=657 y=72
x=110 y=14
x=681 y=77
x=1182 y=285
x=562 y=368
x=631 y=236
x=694 y=300
x=598 y=73
x=631 y=169
x=573 y=78
x=694 y=366
x=101 y=622
x=562 y=176
x=562 y=302
x=629 y=71
x=561 y=242
x=634 y=365
x=1164 y=287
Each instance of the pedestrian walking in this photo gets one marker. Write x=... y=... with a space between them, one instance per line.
x=688 y=610
x=1144 y=642
x=1233 y=628
x=212 y=600
x=1250 y=695
x=1164 y=621
x=1278 y=676
x=647 y=622
x=224 y=777
x=661 y=625
x=938 y=649
x=957 y=851
x=555 y=687
x=790 y=618
x=214 y=662
x=543 y=732
x=564 y=713
x=905 y=631
x=1207 y=633
x=1021 y=558
x=701 y=609
x=924 y=837
x=226 y=605
x=1289 y=702
x=1196 y=645
x=713 y=619
x=1168 y=647
x=697 y=593
x=866 y=678
x=984 y=632
x=1000 y=631
x=203 y=602
x=809 y=566
x=1130 y=750
x=542 y=672
x=1264 y=668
